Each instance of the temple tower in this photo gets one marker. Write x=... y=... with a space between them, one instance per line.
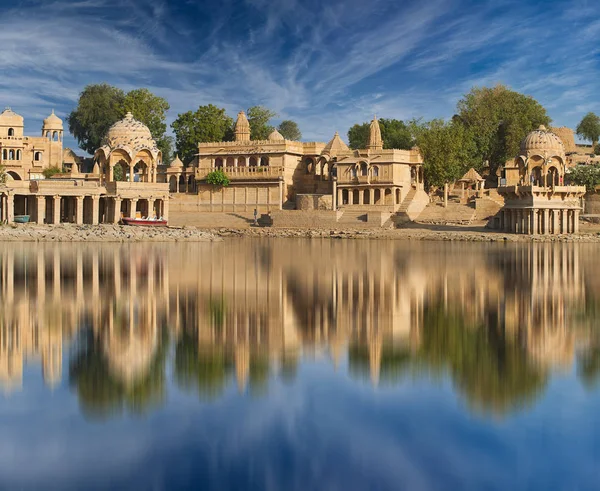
x=242 y=128
x=375 y=141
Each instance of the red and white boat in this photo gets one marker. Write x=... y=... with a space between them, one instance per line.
x=144 y=222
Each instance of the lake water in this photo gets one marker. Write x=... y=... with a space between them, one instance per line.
x=296 y=364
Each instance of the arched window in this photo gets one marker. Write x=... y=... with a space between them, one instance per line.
x=11 y=132
x=375 y=171
x=37 y=156
x=354 y=173
x=5 y=154
x=11 y=155
x=229 y=162
x=18 y=154
x=253 y=161
x=219 y=163
x=241 y=161
x=364 y=169
x=264 y=161
x=309 y=165
x=55 y=136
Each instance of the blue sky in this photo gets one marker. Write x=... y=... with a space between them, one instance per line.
x=324 y=63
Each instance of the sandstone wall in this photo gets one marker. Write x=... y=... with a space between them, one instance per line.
x=308 y=202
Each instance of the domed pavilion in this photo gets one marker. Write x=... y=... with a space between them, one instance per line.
x=537 y=201
x=129 y=144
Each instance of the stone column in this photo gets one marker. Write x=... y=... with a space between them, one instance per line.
x=41 y=209
x=534 y=222
x=235 y=162
x=563 y=222
x=151 y=212
x=335 y=194
x=166 y=208
x=576 y=221
x=556 y=222
x=281 y=193
x=546 y=217
x=445 y=196
x=79 y=210
x=132 y=207
x=116 y=210
x=95 y=210
x=56 y=210
x=10 y=208
x=131 y=173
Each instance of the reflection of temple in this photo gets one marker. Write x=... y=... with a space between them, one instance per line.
x=242 y=310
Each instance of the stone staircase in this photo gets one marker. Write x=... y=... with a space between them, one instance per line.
x=407 y=201
x=454 y=214
x=233 y=220
x=355 y=219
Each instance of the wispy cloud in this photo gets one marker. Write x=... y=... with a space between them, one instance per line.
x=325 y=64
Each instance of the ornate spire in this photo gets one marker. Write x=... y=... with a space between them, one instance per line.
x=242 y=128
x=375 y=141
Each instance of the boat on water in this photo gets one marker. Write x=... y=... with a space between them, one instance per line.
x=144 y=222
x=21 y=218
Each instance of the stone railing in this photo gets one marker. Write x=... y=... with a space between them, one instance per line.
x=254 y=173
x=365 y=180
x=118 y=186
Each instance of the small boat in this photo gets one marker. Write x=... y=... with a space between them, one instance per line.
x=145 y=222
x=21 y=218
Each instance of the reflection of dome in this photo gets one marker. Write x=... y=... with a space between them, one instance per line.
x=542 y=141
x=130 y=356
x=276 y=136
x=131 y=133
x=53 y=122
x=10 y=118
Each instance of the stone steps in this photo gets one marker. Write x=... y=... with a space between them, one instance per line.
x=212 y=219
x=455 y=214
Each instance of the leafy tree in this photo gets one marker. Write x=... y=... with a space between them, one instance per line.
x=584 y=175
x=217 y=178
x=151 y=110
x=259 y=118
x=3 y=175
x=498 y=119
x=98 y=108
x=395 y=134
x=589 y=128
x=48 y=172
x=448 y=150
x=118 y=174
x=206 y=124
x=289 y=129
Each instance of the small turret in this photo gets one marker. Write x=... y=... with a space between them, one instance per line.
x=53 y=127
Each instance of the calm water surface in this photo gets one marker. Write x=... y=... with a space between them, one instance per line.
x=295 y=365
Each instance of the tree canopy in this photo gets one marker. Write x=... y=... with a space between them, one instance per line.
x=448 y=150
x=101 y=105
x=289 y=129
x=151 y=110
x=98 y=108
x=589 y=128
x=259 y=118
x=395 y=134
x=584 y=175
x=206 y=124
x=498 y=119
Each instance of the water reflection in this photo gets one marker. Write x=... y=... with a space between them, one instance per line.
x=497 y=321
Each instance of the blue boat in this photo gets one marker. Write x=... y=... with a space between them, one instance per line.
x=21 y=218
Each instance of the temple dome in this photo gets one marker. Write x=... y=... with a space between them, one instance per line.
x=10 y=118
x=542 y=141
x=275 y=136
x=130 y=133
x=53 y=122
x=176 y=162
x=335 y=146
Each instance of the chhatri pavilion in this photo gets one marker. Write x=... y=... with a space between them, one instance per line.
x=537 y=201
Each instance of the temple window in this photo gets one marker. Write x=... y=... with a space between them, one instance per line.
x=11 y=132
x=37 y=156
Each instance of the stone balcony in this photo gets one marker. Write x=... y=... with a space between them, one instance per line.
x=131 y=188
x=366 y=180
x=245 y=173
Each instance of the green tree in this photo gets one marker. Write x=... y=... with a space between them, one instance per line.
x=448 y=150
x=217 y=178
x=259 y=118
x=498 y=119
x=98 y=108
x=584 y=175
x=206 y=124
x=289 y=129
x=3 y=175
x=589 y=128
x=151 y=110
x=395 y=134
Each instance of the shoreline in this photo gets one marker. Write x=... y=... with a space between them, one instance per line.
x=413 y=232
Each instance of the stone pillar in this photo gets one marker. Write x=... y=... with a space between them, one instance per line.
x=166 y=208
x=534 y=222
x=563 y=222
x=360 y=196
x=281 y=193
x=576 y=221
x=56 y=210
x=546 y=218
x=10 y=208
x=79 y=210
x=556 y=222
x=151 y=211
x=445 y=196
x=41 y=209
x=95 y=210
x=131 y=173
x=335 y=194
x=116 y=210
x=132 y=207
x=235 y=162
